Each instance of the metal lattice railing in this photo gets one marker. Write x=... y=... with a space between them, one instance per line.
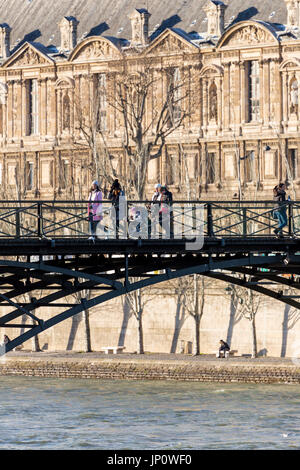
x=143 y=219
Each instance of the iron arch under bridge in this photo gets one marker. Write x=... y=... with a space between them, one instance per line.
x=46 y=246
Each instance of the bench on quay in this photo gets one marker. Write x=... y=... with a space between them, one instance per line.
x=113 y=349
x=232 y=352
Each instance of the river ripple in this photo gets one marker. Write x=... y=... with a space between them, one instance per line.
x=94 y=414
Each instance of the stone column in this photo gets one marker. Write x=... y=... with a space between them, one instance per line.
x=234 y=91
x=45 y=101
x=285 y=90
x=226 y=92
x=59 y=111
x=52 y=128
x=17 y=105
x=41 y=108
x=23 y=107
x=206 y=100
x=10 y=111
x=265 y=95
x=76 y=104
x=261 y=89
x=243 y=92
x=220 y=98
x=4 y=124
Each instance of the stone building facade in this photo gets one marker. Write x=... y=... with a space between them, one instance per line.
x=245 y=77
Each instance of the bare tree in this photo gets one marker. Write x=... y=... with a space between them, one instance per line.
x=247 y=303
x=148 y=109
x=192 y=292
x=137 y=301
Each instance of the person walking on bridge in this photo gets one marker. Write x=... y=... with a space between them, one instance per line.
x=94 y=208
x=280 y=209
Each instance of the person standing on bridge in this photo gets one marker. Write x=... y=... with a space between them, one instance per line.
x=94 y=208
x=154 y=210
x=165 y=211
x=280 y=210
x=114 y=196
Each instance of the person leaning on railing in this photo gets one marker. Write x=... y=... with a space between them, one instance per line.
x=279 y=212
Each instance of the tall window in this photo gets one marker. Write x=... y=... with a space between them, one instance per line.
x=253 y=91
x=210 y=167
x=291 y=171
x=32 y=107
x=100 y=85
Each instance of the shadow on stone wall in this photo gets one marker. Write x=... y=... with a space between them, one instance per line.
x=76 y=319
x=290 y=317
x=179 y=321
x=126 y=316
x=234 y=318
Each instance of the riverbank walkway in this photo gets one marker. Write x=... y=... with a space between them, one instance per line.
x=151 y=366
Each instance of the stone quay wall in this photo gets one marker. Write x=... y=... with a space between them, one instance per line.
x=224 y=371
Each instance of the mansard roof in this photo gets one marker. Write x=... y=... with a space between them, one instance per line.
x=37 y=20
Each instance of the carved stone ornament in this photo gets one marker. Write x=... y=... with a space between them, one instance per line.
x=30 y=57
x=170 y=44
x=95 y=49
x=248 y=36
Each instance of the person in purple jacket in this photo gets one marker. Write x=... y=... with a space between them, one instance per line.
x=94 y=209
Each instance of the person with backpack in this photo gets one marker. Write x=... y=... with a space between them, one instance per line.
x=279 y=212
x=115 y=192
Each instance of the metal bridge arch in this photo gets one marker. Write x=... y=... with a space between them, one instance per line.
x=218 y=267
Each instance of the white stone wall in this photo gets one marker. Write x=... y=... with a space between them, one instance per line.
x=111 y=324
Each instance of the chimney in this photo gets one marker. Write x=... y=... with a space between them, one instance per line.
x=215 y=12
x=140 y=27
x=68 y=33
x=293 y=13
x=4 y=41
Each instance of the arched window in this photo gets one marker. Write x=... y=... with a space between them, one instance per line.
x=65 y=101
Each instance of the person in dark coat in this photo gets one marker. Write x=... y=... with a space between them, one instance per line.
x=223 y=348
x=114 y=196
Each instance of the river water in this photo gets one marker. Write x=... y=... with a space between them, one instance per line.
x=158 y=415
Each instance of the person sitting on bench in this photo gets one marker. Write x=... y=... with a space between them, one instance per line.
x=223 y=348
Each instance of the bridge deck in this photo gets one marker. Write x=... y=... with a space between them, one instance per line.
x=212 y=245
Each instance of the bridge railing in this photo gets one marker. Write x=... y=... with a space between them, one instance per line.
x=143 y=219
